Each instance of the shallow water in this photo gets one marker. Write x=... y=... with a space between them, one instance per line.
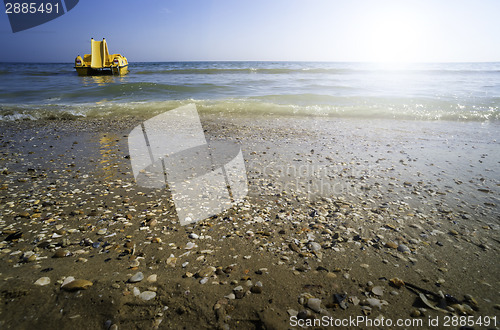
x=458 y=91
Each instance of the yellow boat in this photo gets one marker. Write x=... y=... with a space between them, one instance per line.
x=100 y=62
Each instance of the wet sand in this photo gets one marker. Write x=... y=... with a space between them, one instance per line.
x=340 y=213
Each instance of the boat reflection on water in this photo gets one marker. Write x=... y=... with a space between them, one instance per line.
x=102 y=80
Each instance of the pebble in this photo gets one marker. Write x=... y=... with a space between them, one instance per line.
x=403 y=248
x=42 y=281
x=314 y=246
x=61 y=253
x=304 y=314
x=256 y=289
x=194 y=236
x=102 y=231
x=136 y=291
x=415 y=313
x=314 y=304
x=147 y=295
x=152 y=278
x=391 y=245
x=137 y=277
x=77 y=285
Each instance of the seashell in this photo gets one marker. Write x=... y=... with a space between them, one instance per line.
x=189 y=246
x=397 y=282
x=171 y=261
x=77 y=285
x=378 y=290
x=14 y=236
x=429 y=304
x=206 y=272
x=373 y=302
x=42 y=281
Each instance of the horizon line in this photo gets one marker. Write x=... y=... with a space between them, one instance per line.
x=280 y=61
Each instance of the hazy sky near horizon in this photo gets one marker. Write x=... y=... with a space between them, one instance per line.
x=272 y=30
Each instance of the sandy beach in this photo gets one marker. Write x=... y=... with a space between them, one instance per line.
x=381 y=219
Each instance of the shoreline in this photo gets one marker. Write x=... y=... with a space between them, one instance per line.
x=71 y=182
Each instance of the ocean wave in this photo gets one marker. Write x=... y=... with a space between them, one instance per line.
x=253 y=107
x=304 y=69
x=138 y=91
x=150 y=87
x=50 y=73
x=248 y=70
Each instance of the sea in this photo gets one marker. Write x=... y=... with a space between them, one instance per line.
x=438 y=123
x=429 y=92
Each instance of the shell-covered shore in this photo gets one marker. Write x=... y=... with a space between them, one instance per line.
x=343 y=218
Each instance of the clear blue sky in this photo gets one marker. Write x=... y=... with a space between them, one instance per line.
x=277 y=30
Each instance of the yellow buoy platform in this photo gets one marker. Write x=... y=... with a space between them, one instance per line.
x=100 y=62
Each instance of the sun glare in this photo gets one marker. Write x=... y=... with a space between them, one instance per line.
x=396 y=37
